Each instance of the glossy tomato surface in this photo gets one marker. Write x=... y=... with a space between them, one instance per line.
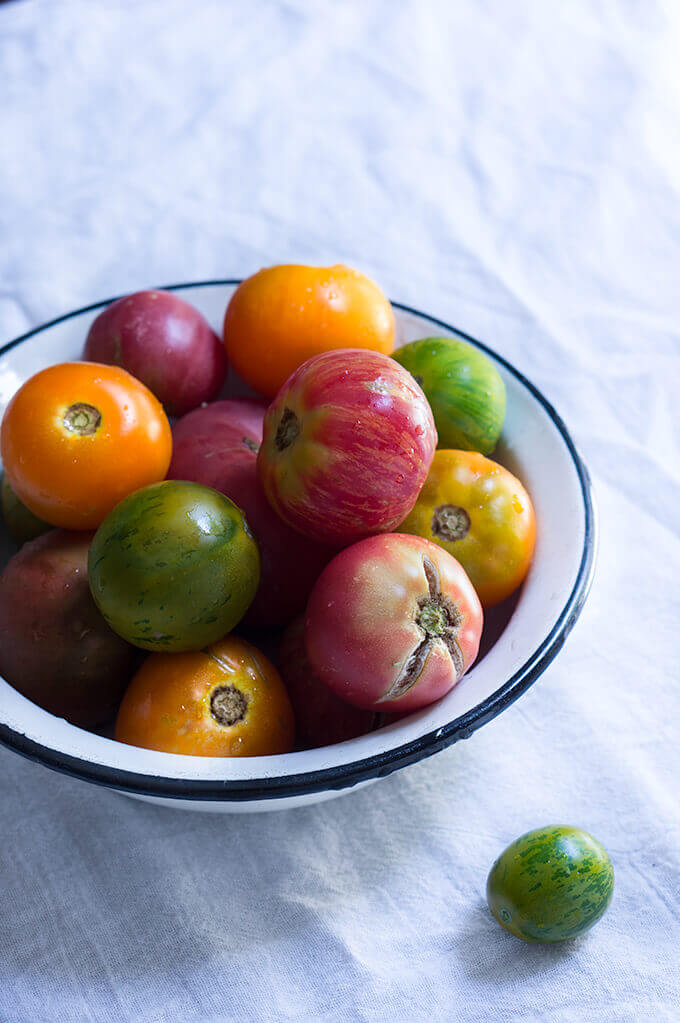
x=283 y=315
x=55 y=647
x=479 y=512
x=225 y=701
x=174 y=566
x=347 y=445
x=465 y=391
x=551 y=884
x=321 y=717
x=217 y=446
x=79 y=437
x=393 y=623
x=163 y=341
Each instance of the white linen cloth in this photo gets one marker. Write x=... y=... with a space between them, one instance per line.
x=514 y=169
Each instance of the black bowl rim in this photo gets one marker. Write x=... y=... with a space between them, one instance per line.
x=368 y=768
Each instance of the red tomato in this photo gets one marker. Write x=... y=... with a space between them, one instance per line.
x=163 y=341
x=321 y=717
x=392 y=623
x=347 y=445
x=217 y=446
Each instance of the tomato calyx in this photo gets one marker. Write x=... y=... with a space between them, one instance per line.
x=450 y=522
x=439 y=620
x=287 y=431
x=228 y=705
x=82 y=419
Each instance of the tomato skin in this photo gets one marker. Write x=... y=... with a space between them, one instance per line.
x=366 y=618
x=174 y=566
x=167 y=706
x=283 y=315
x=55 y=647
x=321 y=717
x=163 y=341
x=347 y=445
x=73 y=479
x=217 y=446
x=498 y=544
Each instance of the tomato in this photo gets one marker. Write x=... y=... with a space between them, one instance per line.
x=78 y=437
x=282 y=316
x=174 y=566
x=551 y=884
x=55 y=647
x=347 y=445
x=465 y=391
x=225 y=701
x=392 y=623
x=479 y=512
x=321 y=717
x=165 y=343
x=217 y=445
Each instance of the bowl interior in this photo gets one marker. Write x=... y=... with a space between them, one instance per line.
x=532 y=446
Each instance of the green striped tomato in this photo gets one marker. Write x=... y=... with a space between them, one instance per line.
x=550 y=885
x=174 y=566
x=464 y=389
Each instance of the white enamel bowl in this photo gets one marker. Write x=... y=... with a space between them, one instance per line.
x=520 y=640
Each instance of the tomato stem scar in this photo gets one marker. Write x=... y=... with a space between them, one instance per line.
x=228 y=705
x=439 y=619
x=82 y=419
x=450 y=522
x=288 y=430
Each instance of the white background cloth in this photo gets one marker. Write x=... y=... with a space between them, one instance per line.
x=514 y=169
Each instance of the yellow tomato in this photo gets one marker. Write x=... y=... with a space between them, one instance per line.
x=482 y=515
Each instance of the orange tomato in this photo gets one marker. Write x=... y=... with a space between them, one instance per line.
x=225 y=701
x=282 y=316
x=479 y=512
x=79 y=437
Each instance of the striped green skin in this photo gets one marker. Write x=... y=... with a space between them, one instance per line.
x=550 y=885
x=174 y=566
x=464 y=389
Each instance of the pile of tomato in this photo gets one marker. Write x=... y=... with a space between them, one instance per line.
x=347 y=518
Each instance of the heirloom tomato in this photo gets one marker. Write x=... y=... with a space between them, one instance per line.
x=174 y=566
x=393 y=623
x=78 y=437
x=225 y=701
x=347 y=445
x=282 y=316
x=55 y=647
x=551 y=884
x=465 y=391
x=163 y=341
x=479 y=512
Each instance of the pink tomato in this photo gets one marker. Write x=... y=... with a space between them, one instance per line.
x=348 y=443
x=163 y=341
x=392 y=623
x=217 y=445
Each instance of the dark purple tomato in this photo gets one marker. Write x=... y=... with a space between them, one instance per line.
x=55 y=646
